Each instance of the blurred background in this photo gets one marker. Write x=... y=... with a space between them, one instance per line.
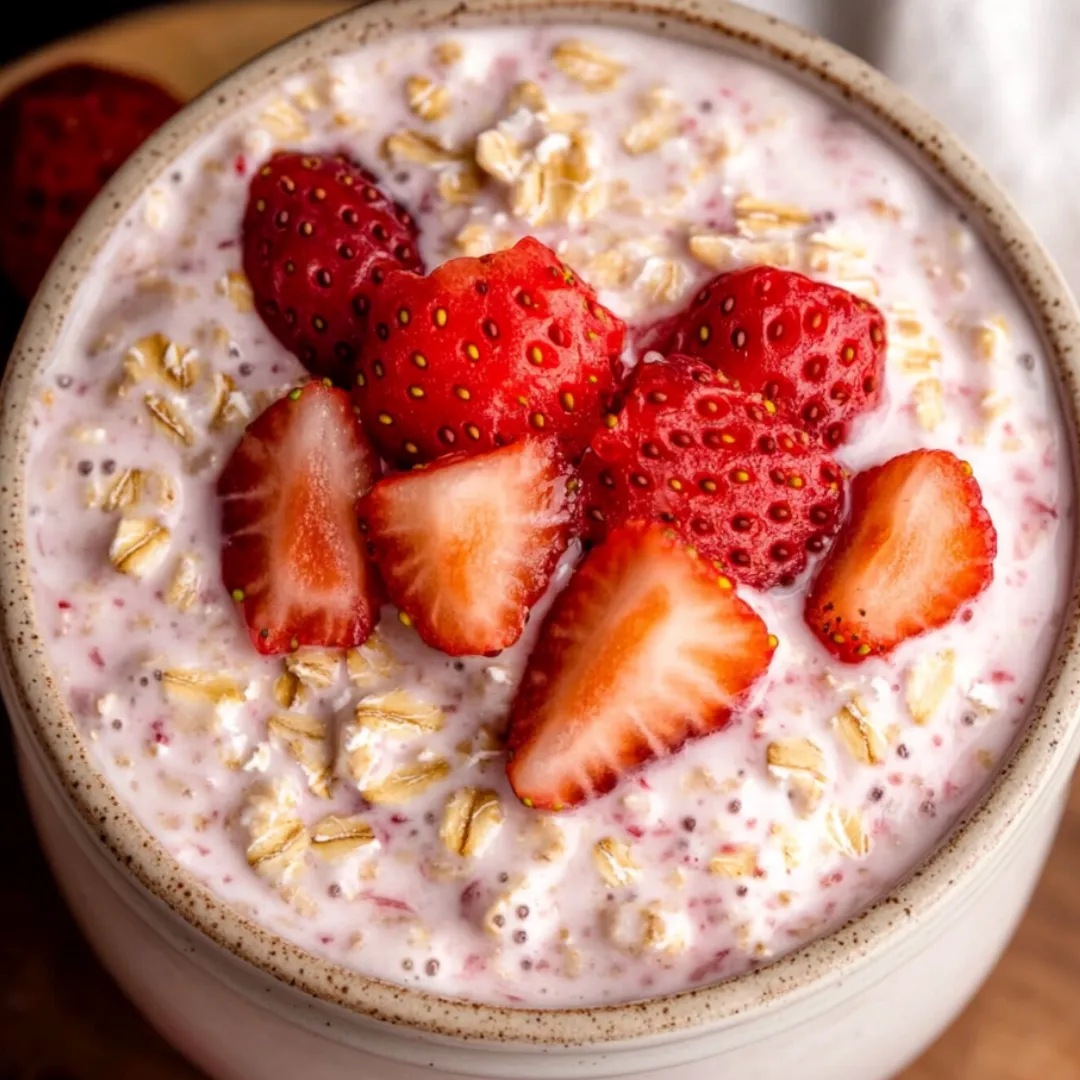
x=1000 y=73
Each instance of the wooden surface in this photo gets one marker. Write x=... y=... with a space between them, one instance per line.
x=61 y=1017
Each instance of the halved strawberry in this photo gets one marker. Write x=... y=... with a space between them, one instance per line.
x=318 y=237
x=918 y=546
x=467 y=545
x=483 y=351
x=815 y=350
x=749 y=490
x=644 y=650
x=292 y=555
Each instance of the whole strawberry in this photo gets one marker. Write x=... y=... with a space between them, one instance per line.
x=319 y=237
x=750 y=491
x=815 y=350
x=62 y=136
x=482 y=351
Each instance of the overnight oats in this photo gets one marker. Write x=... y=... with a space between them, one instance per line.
x=544 y=533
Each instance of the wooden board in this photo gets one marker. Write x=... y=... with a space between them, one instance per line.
x=61 y=1017
x=186 y=46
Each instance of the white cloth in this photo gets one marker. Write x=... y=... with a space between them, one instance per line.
x=1003 y=75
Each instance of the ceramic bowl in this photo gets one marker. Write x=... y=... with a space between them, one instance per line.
x=245 y=1004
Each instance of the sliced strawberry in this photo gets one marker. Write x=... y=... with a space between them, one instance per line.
x=918 y=546
x=292 y=554
x=484 y=351
x=467 y=545
x=62 y=136
x=318 y=237
x=644 y=650
x=815 y=350
x=749 y=491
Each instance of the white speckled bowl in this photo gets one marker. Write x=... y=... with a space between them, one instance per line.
x=245 y=1004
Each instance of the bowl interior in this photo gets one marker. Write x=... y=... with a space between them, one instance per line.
x=1047 y=750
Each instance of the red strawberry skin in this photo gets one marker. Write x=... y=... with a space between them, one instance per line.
x=484 y=351
x=815 y=350
x=644 y=650
x=292 y=554
x=467 y=545
x=319 y=236
x=919 y=545
x=752 y=492
x=62 y=136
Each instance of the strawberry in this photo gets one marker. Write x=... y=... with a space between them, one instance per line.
x=292 y=554
x=319 y=236
x=644 y=650
x=815 y=350
x=918 y=546
x=467 y=545
x=749 y=490
x=62 y=136
x=483 y=351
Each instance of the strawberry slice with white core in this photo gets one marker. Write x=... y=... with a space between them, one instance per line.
x=292 y=555
x=918 y=546
x=646 y=649
x=467 y=545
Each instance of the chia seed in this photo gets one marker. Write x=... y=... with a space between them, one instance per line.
x=64 y=381
x=903 y=751
x=108 y=466
x=520 y=937
x=432 y=967
x=86 y=468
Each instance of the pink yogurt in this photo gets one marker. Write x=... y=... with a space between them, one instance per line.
x=704 y=865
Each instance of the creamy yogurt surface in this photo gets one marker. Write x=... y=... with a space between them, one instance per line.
x=357 y=803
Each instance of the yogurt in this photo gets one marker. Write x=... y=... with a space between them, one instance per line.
x=357 y=803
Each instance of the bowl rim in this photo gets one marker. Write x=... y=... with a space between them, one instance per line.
x=1046 y=752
